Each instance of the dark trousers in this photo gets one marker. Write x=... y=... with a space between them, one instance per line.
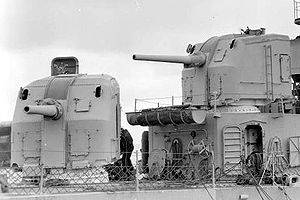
x=126 y=159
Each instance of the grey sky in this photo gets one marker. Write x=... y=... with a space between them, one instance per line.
x=103 y=35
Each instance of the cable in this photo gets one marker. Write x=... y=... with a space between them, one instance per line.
x=201 y=182
x=284 y=191
x=229 y=170
x=257 y=186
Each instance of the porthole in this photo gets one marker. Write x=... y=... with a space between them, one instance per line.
x=24 y=94
x=232 y=44
x=98 y=92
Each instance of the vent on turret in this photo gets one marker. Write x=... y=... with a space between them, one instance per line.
x=64 y=65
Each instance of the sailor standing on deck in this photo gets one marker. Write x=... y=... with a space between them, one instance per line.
x=126 y=146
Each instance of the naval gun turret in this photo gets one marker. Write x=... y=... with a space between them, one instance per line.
x=236 y=96
x=242 y=69
x=249 y=69
x=67 y=120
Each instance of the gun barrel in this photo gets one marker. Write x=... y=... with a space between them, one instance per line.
x=192 y=59
x=51 y=111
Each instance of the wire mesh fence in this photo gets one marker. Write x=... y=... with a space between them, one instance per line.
x=161 y=172
x=37 y=180
x=178 y=173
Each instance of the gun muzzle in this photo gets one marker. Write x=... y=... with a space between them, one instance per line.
x=51 y=111
x=188 y=61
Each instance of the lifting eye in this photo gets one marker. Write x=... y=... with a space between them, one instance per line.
x=98 y=92
x=24 y=94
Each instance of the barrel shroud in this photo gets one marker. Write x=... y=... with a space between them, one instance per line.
x=188 y=61
x=52 y=111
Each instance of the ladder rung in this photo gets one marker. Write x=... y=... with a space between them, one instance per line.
x=231 y=163
x=232 y=156
x=232 y=150
x=232 y=132
x=232 y=145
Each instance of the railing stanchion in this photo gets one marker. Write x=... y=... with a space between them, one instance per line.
x=172 y=100
x=137 y=170
x=41 y=178
x=213 y=169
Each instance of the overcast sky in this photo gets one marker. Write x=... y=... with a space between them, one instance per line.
x=103 y=35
